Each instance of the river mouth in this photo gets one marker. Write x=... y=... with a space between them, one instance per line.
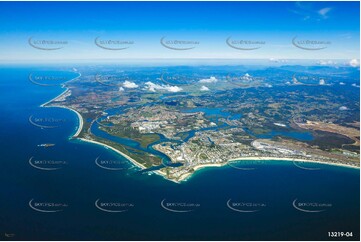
x=212 y=114
x=112 y=199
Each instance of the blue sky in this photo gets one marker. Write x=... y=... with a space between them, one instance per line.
x=273 y=24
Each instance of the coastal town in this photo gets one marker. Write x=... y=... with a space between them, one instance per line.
x=194 y=131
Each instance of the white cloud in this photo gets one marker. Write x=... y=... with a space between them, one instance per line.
x=324 y=11
x=342 y=83
x=326 y=62
x=322 y=82
x=154 y=87
x=246 y=77
x=212 y=79
x=174 y=89
x=121 y=89
x=277 y=60
x=309 y=13
x=354 y=63
x=343 y=108
x=204 y=88
x=128 y=84
x=355 y=85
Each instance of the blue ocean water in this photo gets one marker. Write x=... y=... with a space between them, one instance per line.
x=267 y=193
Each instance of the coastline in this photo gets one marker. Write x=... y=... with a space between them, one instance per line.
x=294 y=160
x=187 y=175
x=62 y=86
x=131 y=160
x=80 y=127
x=136 y=163
x=184 y=177
x=80 y=118
x=46 y=103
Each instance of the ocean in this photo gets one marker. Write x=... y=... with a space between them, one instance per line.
x=71 y=197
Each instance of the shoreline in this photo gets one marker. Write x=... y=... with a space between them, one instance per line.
x=62 y=86
x=186 y=176
x=131 y=160
x=134 y=162
x=294 y=160
x=80 y=118
x=80 y=127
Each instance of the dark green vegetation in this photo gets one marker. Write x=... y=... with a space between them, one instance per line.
x=269 y=103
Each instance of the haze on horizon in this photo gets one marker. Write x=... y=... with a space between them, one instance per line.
x=209 y=28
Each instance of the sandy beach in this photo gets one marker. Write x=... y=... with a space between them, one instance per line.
x=294 y=160
x=80 y=127
x=187 y=175
x=61 y=94
x=80 y=118
x=134 y=162
x=117 y=151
